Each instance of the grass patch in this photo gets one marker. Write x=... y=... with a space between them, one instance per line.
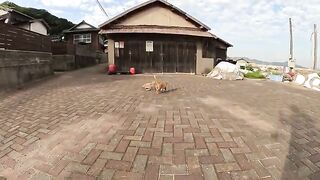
x=255 y=75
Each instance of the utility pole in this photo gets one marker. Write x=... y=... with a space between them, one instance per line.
x=315 y=47
x=291 y=62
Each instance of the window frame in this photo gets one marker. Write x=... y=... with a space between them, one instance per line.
x=82 y=38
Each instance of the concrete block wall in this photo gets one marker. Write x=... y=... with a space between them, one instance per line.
x=203 y=63
x=20 y=67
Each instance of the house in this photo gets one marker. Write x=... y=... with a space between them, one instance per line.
x=157 y=37
x=84 y=33
x=242 y=63
x=18 y=19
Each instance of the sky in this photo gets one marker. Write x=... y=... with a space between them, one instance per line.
x=257 y=28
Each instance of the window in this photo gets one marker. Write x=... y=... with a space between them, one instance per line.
x=81 y=38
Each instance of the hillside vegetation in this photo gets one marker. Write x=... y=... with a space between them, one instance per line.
x=57 y=24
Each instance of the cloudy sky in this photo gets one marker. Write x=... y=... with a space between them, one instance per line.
x=257 y=28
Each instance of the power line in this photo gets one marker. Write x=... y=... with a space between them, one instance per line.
x=102 y=9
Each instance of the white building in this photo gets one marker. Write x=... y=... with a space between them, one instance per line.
x=16 y=18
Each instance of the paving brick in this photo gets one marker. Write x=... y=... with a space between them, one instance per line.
x=140 y=144
x=250 y=174
x=123 y=175
x=200 y=143
x=315 y=176
x=173 y=169
x=148 y=136
x=227 y=167
x=77 y=167
x=97 y=167
x=261 y=171
x=183 y=146
x=227 y=144
x=227 y=155
x=157 y=142
x=132 y=138
x=166 y=177
x=122 y=146
x=213 y=149
x=193 y=165
x=118 y=165
x=150 y=151
x=188 y=177
x=167 y=149
x=130 y=154
x=272 y=161
x=111 y=155
x=168 y=128
x=160 y=160
x=58 y=167
x=315 y=158
x=152 y=172
x=211 y=159
x=140 y=163
x=17 y=147
x=209 y=172
x=179 y=157
x=197 y=152
x=106 y=174
x=243 y=161
x=92 y=156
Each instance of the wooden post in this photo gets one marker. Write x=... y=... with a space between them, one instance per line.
x=315 y=47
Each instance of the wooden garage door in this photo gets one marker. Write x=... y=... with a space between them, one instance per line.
x=167 y=57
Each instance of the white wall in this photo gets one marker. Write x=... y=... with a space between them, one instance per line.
x=83 y=26
x=39 y=28
x=2 y=12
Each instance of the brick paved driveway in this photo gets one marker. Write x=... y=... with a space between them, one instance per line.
x=87 y=125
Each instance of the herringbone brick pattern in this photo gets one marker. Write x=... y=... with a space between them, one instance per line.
x=87 y=125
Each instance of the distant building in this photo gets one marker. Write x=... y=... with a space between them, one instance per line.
x=242 y=63
x=158 y=37
x=84 y=33
x=18 y=19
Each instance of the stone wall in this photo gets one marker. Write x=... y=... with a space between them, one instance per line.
x=20 y=67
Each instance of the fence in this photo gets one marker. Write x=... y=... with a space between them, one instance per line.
x=13 y=38
x=60 y=48
x=69 y=56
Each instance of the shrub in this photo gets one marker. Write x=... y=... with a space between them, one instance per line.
x=255 y=75
x=249 y=67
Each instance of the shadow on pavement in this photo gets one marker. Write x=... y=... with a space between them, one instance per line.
x=300 y=162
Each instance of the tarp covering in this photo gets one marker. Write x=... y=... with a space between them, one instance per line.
x=226 y=71
x=313 y=82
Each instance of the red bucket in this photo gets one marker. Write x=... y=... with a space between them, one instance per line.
x=112 y=69
x=132 y=71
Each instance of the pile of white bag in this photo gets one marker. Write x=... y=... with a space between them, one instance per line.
x=226 y=71
x=311 y=82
